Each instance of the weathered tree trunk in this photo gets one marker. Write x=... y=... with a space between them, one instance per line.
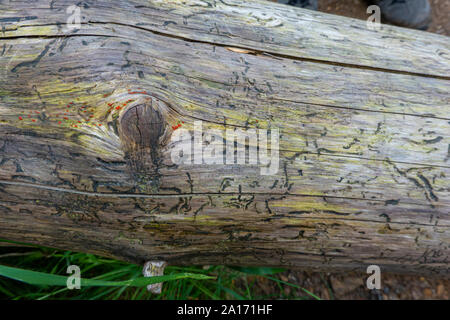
x=89 y=117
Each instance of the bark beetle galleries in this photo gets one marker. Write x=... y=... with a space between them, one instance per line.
x=142 y=127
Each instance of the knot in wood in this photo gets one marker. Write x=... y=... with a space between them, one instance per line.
x=142 y=128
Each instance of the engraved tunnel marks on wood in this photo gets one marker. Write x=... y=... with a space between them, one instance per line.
x=364 y=143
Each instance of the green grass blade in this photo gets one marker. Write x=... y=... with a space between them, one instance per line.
x=294 y=286
x=259 y=271
x=233 y=293
x=40 y=278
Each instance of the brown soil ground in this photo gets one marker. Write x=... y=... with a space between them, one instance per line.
x=352 y=285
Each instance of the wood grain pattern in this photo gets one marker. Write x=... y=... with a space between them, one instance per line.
x=364 y=135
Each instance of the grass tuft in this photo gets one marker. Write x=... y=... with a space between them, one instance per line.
x=34 y=272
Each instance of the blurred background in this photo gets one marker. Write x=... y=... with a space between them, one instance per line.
x=357 y=9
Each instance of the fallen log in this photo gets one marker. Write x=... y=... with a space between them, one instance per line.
x=224 y=132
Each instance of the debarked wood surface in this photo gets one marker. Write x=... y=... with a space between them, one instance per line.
x=363 y=118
